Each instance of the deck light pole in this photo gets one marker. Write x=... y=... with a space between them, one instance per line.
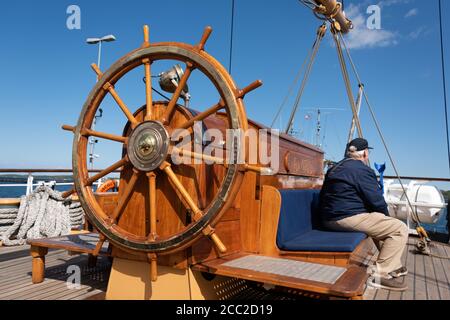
x=99 y=41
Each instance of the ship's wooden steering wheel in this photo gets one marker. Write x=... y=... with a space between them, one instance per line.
x=147 y=147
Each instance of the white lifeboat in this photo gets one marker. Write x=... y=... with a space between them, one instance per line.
x=427 y=200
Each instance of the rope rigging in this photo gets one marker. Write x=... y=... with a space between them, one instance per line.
x=423 y=244
x=42 y=214
x=294 y=84
x=320 y=35
x=337 y=33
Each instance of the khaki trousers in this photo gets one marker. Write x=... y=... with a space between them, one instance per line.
x=389 y=234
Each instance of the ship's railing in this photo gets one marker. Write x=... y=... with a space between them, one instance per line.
x=420 y=179
x=30 y=185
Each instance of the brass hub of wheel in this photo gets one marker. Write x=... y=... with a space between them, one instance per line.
x=148 y=146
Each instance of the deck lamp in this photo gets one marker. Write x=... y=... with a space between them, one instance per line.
x=99 y=41
x=169 y=80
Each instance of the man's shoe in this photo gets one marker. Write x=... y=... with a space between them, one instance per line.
x=402 y=272
x=391 y=284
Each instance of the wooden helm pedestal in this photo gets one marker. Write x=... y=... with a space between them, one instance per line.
x=169 y=217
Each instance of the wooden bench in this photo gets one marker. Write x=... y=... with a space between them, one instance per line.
x=304 y=271
x=271 y=207
x=346 y=282
x=83 y=243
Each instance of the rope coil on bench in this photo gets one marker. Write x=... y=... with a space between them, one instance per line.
x=42 y=214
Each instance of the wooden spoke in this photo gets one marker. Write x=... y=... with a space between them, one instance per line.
x=68 y=128
x=202 y=116
x=91 y=133
x=68 y=193
x=107 y=136
x=198 y=156
x=152 y=196
x=196 y=212
x=171 y=107
x=205 y=37
x=99 y=245
x=97 y=71
x=122 y=105
x=125 y=197
x=146 y=37
x=107 y=171
x=261 y=170
x=109 y=87
x=153 y=259
x=253 y=86
x=148 y=89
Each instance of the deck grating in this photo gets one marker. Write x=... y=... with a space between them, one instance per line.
x=289 y=268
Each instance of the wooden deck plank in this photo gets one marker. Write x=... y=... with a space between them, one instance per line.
x=410 y=278
x=33 y=291
x=57 y=278
x=382 y=294
x=25 y=286
x=15 y=276
x=444 y=265
x=26 y=269
x=25 y=277
x=18 y=261
x=25 y=265
x=441 y=278
x=52 y=289
x=420 y=292
x=27 y=262
x=429 y=277
x=432 y=284
x=395 y=295
x=86 y=289
x=59 y=288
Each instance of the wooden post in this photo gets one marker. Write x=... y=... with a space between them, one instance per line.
x=38 y=264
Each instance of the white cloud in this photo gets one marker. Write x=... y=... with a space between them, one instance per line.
x=412 y=13
x=388 y=3
x=361 y=37
x=421 y=31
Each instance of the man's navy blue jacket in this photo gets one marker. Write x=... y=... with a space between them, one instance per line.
x=351 y=188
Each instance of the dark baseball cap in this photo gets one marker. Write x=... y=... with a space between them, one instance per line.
x=359 y=144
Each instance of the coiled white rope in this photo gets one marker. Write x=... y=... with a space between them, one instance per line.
x=42 y=214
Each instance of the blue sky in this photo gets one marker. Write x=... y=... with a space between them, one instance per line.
x=45 y=75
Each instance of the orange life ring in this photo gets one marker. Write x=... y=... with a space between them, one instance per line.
x=109 y=185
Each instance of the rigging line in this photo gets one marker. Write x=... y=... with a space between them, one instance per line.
x=232 y=36
x=378 y=127
x=305 y=80
x=347 y=83
x=308 y=4
x=291 y=89
x=444 y=81
x=162 y=95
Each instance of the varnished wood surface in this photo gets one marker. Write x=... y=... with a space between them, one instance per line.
x=10 y=202
x=73 y=243
x=428 y=278
x=350 y=285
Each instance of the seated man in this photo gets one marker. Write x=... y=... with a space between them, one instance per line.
x=352 y=200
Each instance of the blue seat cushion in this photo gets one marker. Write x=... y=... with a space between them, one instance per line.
x=324 y=241
x=299 y=227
